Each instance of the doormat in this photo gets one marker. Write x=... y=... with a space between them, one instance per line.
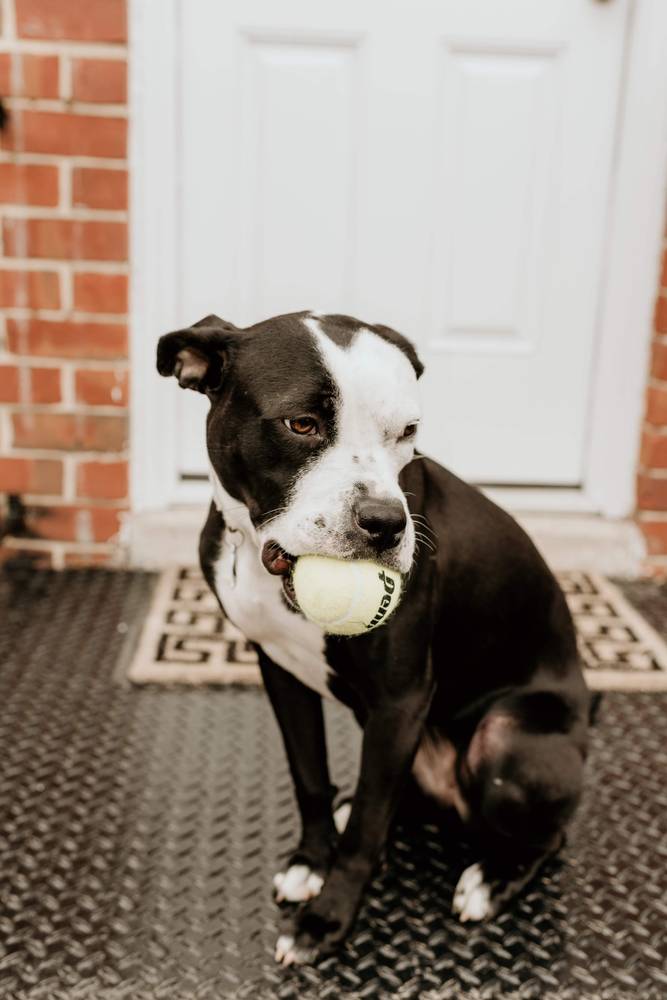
x=187 y=640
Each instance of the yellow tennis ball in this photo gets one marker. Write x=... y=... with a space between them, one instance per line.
x=345 y=596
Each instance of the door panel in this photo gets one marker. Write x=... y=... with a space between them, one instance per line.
x=299 y=121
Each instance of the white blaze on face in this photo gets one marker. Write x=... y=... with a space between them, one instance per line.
x=376 y=399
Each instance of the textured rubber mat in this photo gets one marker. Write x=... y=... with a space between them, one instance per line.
x=140 y=829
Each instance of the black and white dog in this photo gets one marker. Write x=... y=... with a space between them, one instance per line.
x=472 y=691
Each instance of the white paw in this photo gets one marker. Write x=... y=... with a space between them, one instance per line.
x=288 y=953
x=342 y=815
x=284 y=947
x=472 y=896
x=297 y=884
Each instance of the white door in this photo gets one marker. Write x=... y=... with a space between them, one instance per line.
x=441 y=166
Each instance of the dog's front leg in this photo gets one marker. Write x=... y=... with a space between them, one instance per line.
x=391 y=736
x=298 y=710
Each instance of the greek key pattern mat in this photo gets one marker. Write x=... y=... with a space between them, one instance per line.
x=187 y=640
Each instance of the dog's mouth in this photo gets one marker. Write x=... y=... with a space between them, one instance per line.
x=280 y=563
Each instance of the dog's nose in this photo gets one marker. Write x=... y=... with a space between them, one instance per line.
x=381 y=521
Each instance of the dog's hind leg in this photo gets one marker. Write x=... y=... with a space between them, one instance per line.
x=434 y=773
x=522 y=786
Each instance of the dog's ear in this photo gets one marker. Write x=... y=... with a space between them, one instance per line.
x=198 y=355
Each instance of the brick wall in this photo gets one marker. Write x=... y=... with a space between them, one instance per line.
x=64 y=276
x=652 y=473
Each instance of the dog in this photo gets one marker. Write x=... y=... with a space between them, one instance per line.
x=471 y=692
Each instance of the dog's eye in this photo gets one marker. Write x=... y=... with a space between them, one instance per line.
x=302 y=425
x=409 y=432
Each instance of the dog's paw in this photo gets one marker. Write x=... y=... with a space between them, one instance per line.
x=472 y=896
x=320 y=926
x=297 y=885
x=288 y=952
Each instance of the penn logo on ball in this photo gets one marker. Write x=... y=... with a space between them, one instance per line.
x=345 y=596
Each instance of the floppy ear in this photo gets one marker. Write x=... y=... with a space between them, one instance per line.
x=198 y=354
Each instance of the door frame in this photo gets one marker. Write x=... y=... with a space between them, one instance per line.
x=635 y=222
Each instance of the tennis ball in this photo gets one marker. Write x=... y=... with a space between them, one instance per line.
x=345 y=596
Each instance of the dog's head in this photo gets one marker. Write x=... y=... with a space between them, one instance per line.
x=312 y=419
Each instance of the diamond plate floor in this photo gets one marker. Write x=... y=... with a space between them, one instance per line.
x=139 y=830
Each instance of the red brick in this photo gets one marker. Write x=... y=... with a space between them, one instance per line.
x=101 y=388
x=661 y=314
x=28 y=184
x=31 y=475
x=33 y=385
x=9 y=384
x=659 y=361
x=68 y=239
x=65 y=134
x=100 y=293
x=651 y=493
x=44 y=385
x=102 y=480
x=94 y=187
x=33 y=289
x=653 y=451
x=92 y=21
x=73 y=524
x=75 y=558
x=102 y=81
x=70 y=431
x=656 y=405
x=655 y=533
x=29 y=75
x=67 y=339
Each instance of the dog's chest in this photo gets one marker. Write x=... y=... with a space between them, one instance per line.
x=252 y=600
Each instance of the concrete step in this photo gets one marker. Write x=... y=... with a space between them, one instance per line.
x=586 y=542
